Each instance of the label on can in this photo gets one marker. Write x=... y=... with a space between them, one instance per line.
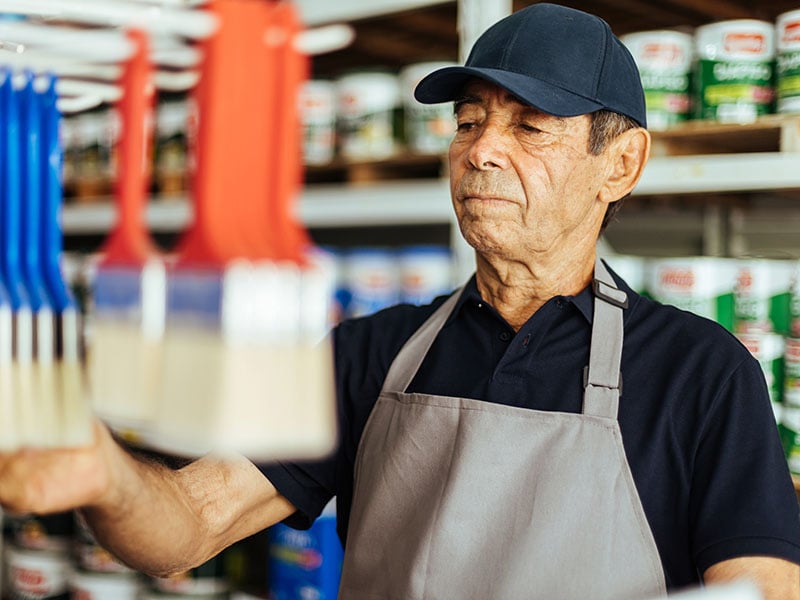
x=791 y=372
x=789 y=428
x=369 y=115
x=664 y=59
x=701 y=285
x=371 y=278
x=734 y=70
x=318 y=116
x=98 y=586
x=429 y=128
x=762 y=295
x=425 y=273
x=768 y=350
x=787 y=68
x=37 y=574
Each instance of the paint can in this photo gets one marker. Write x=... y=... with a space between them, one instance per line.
x=664 y=59
x=318 y=117
x=37 y=574
x=787 y=66
x=734 y=70
x=103 y=586
x=368 y=112
x=702 y=285
x=425 y=273
x=762 y=295
x=43 y=532
x=768 y=350
x=429 y=128
x=372 y=280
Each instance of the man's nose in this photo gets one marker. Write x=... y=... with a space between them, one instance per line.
x=489 y=149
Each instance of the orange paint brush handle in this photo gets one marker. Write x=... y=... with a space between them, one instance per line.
x=293 y=67
x=129 y=242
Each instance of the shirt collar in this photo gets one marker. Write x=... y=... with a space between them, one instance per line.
x=583 y=301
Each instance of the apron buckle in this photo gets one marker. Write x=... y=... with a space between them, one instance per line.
x=609 y=294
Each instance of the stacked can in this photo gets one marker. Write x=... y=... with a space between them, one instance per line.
x=702 y=285
x=664 y=59
x=318 y=116
x=37 y=562
x=733 y=74
x=790 y=418
x=369 y=115
x=428 y=127
x=306 y=564
x=787 y=70
x=761 y=317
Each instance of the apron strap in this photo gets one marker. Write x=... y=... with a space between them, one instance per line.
x=408 y=360
x=601 y=379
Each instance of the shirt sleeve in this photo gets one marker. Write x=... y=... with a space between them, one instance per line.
x=740 y=457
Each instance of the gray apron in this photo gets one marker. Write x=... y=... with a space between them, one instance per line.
x=457 y=498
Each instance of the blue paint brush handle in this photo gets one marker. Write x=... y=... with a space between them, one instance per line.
x=11 y=221
x=31 y=154
x=52 y=237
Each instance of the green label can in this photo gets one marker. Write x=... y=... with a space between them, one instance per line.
x=789 y=428
x=794 y=303
x=664 y=59
x=762 y=295
x=734 y=70
x=768 y=350
x=791 y=372
x=702 y=285
x=787 y=68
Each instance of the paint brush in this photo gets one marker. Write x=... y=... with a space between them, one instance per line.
x=128 y=291
x=230 y=363
x=45 y=430
x=74 y=410
x=11 y=262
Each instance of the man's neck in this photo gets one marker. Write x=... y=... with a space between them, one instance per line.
x=517 y=290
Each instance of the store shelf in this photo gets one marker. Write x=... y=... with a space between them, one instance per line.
x=389 y=203
x=753 y=171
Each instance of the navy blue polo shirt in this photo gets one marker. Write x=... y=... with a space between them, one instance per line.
x=695 y=416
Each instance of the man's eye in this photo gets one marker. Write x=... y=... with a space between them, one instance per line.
x=465 y=126
x=529 y=128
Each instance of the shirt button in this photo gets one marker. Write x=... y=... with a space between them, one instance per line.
x=505 y=336
x=480 y=304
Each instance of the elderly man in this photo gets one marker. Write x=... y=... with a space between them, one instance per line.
x=543 y=432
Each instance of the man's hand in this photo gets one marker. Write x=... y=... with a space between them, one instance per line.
x=54 y=480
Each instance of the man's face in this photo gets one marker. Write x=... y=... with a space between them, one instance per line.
x=522 y=181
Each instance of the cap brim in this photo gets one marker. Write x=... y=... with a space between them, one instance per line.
x=446 y=84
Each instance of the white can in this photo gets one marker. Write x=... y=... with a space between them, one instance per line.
x=99 y=586
x=791 y=372
x=768 y=350
x=632 y=269
x=425 y=273
x=368 y=115
x=664 y=59
x=762 y=295
x=37 y=574
x=372 y=280
x=318 y=116
x=734 y=70
x=787 y=68
x=702 y=285
x=429 y=128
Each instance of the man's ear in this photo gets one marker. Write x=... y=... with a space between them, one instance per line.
x=627 y=155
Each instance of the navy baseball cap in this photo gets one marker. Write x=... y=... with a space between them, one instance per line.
x=563 y=61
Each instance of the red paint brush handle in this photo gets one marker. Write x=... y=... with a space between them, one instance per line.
x=129 y=242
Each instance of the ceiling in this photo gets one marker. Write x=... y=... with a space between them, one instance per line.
x=430 y=33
